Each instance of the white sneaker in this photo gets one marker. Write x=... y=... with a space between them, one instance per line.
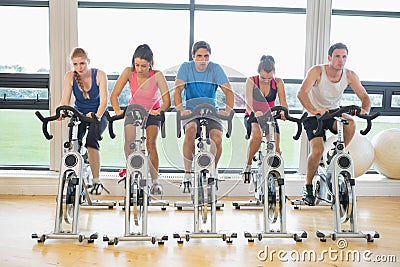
x=246 y=168
x=156 y=189
x=246 y=174
x=187 y=182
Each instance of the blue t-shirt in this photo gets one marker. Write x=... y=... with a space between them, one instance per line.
x=82 y=104
x=201 y=87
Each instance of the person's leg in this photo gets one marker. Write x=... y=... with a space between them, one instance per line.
x=188 y=150
x=189 y=145
x=349 y=129
x=313 y=160
x=216 y=144
x=277 y=143
x=94 y=162
x=93 y=148
x=255 y=142
x=151 y=138
x=129 y=138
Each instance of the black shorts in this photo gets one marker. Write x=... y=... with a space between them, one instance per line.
x=150 y=121
x=91 y=139
x=212 y=124
x=310 y=124
x=276 y=124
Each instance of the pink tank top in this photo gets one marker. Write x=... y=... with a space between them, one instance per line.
x=149 y=97
x=260 y=102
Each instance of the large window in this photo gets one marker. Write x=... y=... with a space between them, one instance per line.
x=112 y=35
x=239 y=32
x=24 y=44
x=373 y=55
x=239 y=39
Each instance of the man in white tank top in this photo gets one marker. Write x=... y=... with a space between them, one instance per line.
x=321 y=91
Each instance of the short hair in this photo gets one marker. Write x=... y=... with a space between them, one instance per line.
x=267 y=63
x=200 y=44
x=337 y=46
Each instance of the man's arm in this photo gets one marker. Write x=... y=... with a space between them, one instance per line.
x=359 y=90
x=179 y=86
x=311 y=78
x=226 y=88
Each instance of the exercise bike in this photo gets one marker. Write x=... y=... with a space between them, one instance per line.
x=269 y=179
x=335 y=184
x=73 y=186
x=203 y=192
x=136 y=178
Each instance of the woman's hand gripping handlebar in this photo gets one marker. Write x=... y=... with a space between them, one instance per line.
x=275 y=113
x=139 y=113
x=204 y=111
x=352 y=109
x=68 y=112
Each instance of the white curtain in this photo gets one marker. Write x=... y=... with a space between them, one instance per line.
x=63 y=38
x=317 y=44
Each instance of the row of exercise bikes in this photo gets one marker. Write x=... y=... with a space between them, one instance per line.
x=334 y=184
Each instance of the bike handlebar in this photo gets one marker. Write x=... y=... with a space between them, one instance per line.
x=143 y=115
x=204 y=111
x=351 y=109
x=66 y=109
x=263 y=120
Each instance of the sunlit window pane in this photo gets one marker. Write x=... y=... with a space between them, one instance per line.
x=370 y=5
x=395 y=101
x=115 y=36
x=22 y=141
x=372 y=55
x=144 y=1
x=238 y=40
x=24 y=45
x=265 y=3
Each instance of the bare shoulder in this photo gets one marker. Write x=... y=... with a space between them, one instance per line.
x=350 y=73
x=159 y=75
x=101 y=73
x=279 y=81
x=250 y=80
x=69 y=77
x=69 y=74
x=316 y=70
x=351 y=76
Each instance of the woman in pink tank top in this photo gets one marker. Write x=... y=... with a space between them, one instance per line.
x=148 y=89
x=261 y=93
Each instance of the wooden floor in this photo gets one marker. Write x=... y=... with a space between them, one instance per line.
x=20 y=216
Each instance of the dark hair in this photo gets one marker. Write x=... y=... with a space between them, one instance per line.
x=144 y=52
x=337 y=46
x=267 y=63
x=200 y=44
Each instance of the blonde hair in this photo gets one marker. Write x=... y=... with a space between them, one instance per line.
x=80 y=52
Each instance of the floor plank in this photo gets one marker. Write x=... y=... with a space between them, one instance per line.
x=20 y=216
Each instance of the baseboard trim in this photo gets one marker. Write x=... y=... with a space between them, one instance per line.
x=28 y=182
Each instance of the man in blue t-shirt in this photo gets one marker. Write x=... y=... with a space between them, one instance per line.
x=199 y=79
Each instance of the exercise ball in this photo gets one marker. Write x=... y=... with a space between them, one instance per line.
x=387 y=153
x=360 y=149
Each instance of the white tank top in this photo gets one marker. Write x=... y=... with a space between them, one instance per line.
x=327 y=94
